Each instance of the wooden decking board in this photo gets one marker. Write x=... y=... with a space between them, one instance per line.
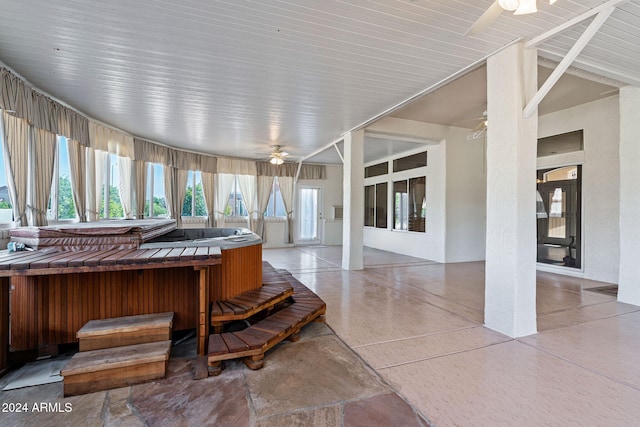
x=188 y=254
x=201 y=253
x=144 y=256
x=110 y=358
x=217 y=346
x=94 y=261
x=160 y=255
x=77 y=258
x=174 y=255
x=126 y=324
x=235 y=344
x=230 y=307
x=237 y=306
x=263 y=336
x=22 y=260
x=249 y=339
x=113 y=259
x=215 y=309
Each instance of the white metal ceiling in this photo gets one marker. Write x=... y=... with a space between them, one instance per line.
x=232 y=77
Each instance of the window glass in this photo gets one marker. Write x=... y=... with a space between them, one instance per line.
x=194 y=181
x=558 y=144
x=370 y=206
x=376 y=170
x=410 y=162
x=6 y=213
x=400 y=202
x=155 y=203
x=417 y=204
x=112 y=193
x=61 y=204
x=381 y=205
x=236 y=206
x=275 y=207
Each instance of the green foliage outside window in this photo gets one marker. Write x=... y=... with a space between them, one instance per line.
x=66 y=205
x=201 y=209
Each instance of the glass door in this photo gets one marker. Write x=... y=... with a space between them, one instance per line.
x=559 y=216
x=310 y=215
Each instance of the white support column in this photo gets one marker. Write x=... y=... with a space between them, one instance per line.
x=510 y=278
x=629 y=279
x=353 y=201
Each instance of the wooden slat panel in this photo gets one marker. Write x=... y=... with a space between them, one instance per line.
x=4 y=324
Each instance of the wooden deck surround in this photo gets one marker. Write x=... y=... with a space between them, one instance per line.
x=54 y=293
x=284 y=322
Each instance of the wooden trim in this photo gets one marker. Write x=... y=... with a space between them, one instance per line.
x=4 y=324
x=202 y=330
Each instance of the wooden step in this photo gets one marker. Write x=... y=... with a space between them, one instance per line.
x=105 y=369
x=123 y=331
x=249 y=303
x=250 y=344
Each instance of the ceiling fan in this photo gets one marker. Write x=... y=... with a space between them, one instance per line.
x=518 y=7
x=277 y=156
x=480 y=129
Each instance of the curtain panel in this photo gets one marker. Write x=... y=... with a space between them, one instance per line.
x=268 y=169
x=125 y=184
x=286 y=189
x=45 y=154
x=224 y=182
x=16 y=154
x=110 y=140
x=41 y=111
x=208 y=188
x=231 y=166
x=152 y=153
x=140 y=174
x=77 y=161
x=265 y=185
x=313 y=172
x=248 y=187
x=291 y=170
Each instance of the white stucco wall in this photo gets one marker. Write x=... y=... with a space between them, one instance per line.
x=430 y=244
x=465 y=197
x=600 y=180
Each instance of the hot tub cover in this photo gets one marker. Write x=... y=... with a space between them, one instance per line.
x=111 y=234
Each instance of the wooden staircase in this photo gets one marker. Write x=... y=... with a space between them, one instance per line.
x=119 y=352
x=279 y=311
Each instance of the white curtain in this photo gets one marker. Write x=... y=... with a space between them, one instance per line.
x=44 y=153
x=175 y=189
x=16 y=153
x=223 y=190
x=265 y=185
x=248 y=187
x=140 y=173
x=208 y=188
x=286 y=189
x=78 y=185
x=100 y=164
x=125 y=185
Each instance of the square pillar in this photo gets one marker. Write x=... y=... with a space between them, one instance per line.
x=353 y=201
x=510 y=277
x=629 y=276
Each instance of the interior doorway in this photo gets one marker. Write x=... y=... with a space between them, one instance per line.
x=559 y=216
x=310 y=203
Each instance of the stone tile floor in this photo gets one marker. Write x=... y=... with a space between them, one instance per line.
x=317 y=381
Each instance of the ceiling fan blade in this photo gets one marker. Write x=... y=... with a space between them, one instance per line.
x=487 y=18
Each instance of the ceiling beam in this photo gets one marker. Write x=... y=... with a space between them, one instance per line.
x=339 y=153
x=578 y=19
x=573 y=53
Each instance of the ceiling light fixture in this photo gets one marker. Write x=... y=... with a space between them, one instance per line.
x=525 y=7
x=276 y=160
x=277 y=155
x=510 y=5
